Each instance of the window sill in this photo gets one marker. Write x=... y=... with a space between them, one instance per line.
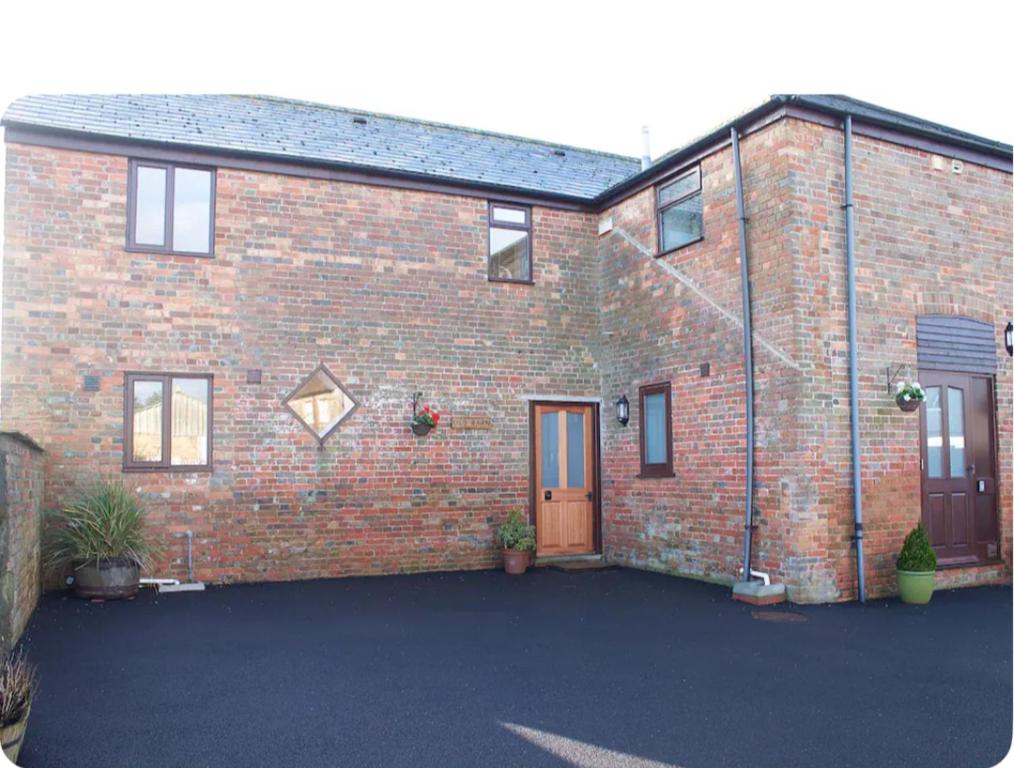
x=655 y=476
x=510 y=282
x=170 y=470
x=157 y=252
x=660 y=254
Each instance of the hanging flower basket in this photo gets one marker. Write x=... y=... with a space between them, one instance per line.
x=909 y=396
x=423 y=420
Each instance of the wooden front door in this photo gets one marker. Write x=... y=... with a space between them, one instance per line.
x=959 y=466
x=566 y=478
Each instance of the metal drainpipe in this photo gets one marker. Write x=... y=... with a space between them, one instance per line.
x=744 y=277
x=850 y=268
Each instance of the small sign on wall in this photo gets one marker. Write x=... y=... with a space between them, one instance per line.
x=472 y=423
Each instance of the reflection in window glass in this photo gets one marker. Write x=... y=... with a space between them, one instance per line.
x=191 y=210
x=575 y=450
x=508 y=254
x=550 y=449
x=147 y=423
x=682 y=223
x=188 y=439
x=654 y=429
x=934 y=434
x=956 y=430
x=320 y=403
x=149 y=213
x=679 y=188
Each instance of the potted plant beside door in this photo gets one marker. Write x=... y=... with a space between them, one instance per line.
x=517 y=538
x=917 y=566
x=102 y=537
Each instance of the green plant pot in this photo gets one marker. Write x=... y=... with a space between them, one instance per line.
x=915 y=587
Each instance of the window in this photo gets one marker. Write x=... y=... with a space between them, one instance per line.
x=170 y=209
x=510 y=243
x=320 y=403
x=167 y=422
x=680 y=212
x=656 y=430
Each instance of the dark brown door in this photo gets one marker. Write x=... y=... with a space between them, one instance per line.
x=958 y=466
x=565 y=478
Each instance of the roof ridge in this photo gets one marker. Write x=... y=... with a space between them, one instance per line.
x=420 y=121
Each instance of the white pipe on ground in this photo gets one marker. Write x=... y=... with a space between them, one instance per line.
x=758 y=575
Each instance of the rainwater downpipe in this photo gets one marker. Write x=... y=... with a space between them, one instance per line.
x=744 y=277
x=850 y=268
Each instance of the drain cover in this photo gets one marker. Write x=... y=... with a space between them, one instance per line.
x=788 y=617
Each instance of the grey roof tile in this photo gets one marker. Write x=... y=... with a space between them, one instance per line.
x=284 y=128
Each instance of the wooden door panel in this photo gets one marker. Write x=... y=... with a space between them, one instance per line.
x=958 y=459
x=565 y=472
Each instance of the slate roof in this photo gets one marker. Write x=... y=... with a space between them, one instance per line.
x=287 y=129
x=277 y=128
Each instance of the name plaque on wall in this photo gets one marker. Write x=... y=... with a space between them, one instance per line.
x=472 y=423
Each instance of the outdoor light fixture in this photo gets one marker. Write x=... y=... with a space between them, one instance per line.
x=623 y=410
x=1008 y=337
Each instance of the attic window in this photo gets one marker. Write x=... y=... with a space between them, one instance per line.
x=320 y=403
x=170 y=209
x=680 y=211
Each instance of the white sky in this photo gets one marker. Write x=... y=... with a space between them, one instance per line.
x=587 y=73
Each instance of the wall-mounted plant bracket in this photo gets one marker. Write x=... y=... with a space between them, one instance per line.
x=892 y=376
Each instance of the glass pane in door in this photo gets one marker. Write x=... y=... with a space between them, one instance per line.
x=956 y=430
x=934 y=433
x=550 y=449
x=575 y=450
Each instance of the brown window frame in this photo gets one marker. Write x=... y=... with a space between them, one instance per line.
x=165 y=465
x=660 y=209
x=170 y=180
x=663 y=469
x=526 y=227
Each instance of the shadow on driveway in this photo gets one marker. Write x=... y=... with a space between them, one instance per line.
x=612 y=668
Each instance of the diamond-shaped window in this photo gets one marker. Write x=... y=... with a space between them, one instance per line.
x=321 y=403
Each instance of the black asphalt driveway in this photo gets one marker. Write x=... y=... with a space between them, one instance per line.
x=604 y=668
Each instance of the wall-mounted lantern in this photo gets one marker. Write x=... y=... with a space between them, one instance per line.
x=1008 y=337
x=623 y=410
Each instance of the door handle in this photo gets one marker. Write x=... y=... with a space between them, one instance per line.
x=589 y=495
x=970 y=469
x=548 y=495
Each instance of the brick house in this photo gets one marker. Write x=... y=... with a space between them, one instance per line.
x=230 y=302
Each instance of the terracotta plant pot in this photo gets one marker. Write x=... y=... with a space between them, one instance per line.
x=907 y=405
x=421 y=429
x=109 y=580
x=12 y=736
x=515 y=561
x=915 y=587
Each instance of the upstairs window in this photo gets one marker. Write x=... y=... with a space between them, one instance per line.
x=680 y=211
x=170 y=209
x=167 y=422
x=510 y=243
x=656 y=430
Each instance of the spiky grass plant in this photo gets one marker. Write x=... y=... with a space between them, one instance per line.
x=106 y=523
x=17 y=687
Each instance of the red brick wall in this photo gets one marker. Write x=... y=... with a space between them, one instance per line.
x=386 y=287
x=928 y=241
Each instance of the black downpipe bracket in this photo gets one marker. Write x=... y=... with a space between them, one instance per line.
x=744 y=276
x=850 y=268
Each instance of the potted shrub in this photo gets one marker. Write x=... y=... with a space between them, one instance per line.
x=17 y=689
x=102 y=537
x=517 y=538
x=917 y=565
x=910 y=394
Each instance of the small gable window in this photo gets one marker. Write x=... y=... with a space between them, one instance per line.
x=510 y=243
x=656 y=430
x=170 y=209
x=680 y=211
